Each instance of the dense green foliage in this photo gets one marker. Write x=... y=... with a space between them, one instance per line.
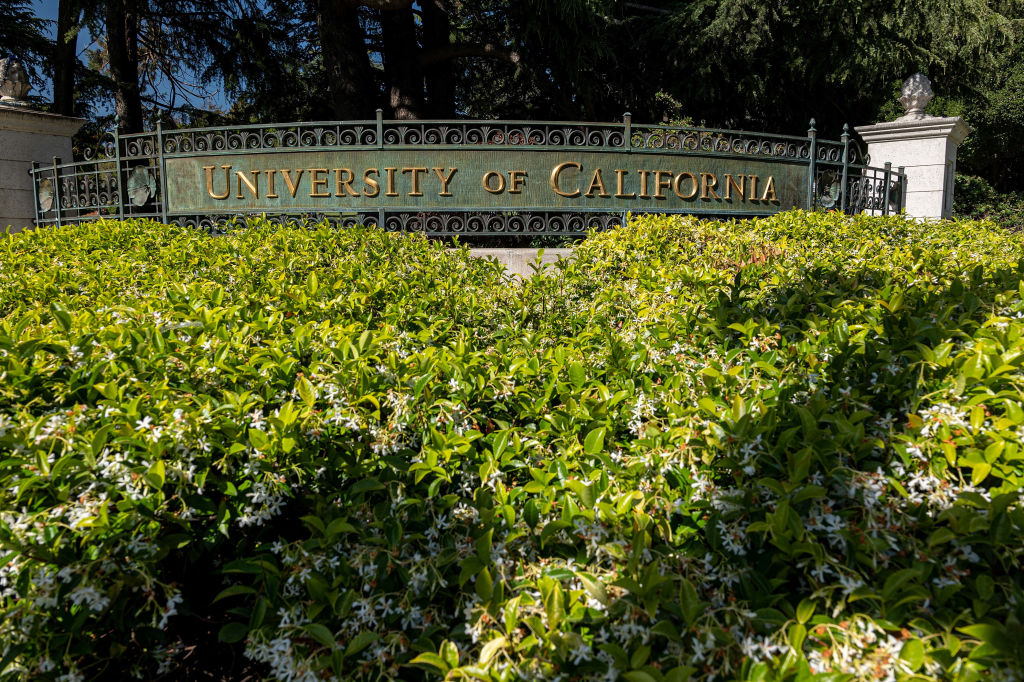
x=753 y=450
x=976 y=199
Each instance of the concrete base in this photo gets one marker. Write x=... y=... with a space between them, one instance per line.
x=517 y=261
x=926 y=148
x=27 y=135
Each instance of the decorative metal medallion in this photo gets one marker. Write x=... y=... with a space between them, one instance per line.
x=141 y=186
x=44 y=194
x=829 y=184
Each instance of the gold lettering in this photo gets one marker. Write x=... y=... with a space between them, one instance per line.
x=556 y=172
x=708 y=182
x=370 y=183
x=293 y=185
x=445 y=181
x=769 y=189
x=391 y=183
x=487 y=182
x=620 y=179
x=271 y=192
x=253 y=184
x=343 y=179
x=415 y=174
x=315 y=182
x=516 y=180
x=661 y=184
x=753 y=187
x=597 y=183
x=730 y=183
x=694 y=185
x=209 y=182
x=643 y=184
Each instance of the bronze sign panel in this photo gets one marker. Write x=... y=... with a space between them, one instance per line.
x=486 y=179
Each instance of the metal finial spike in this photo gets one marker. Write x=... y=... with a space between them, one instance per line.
x=812 y=124
x=846 y=127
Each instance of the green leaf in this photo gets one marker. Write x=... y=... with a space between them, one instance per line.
x=484 y=585
x=639 y=657
x=594 y=442
x=551 y=528
x=895 y=581
x=979 y=472
x=306 y=391
x=483 y=546
x=360 y=642
x=61 y=316
x=797 y=633
x=233 y=632
x=804 y=611
x=366 y=485
x=577 y=375
x=993 y=635
x=232 y=591
x=492 y=647
x=594 y=587
x=431 y=660
x=450 y=653
x=689 y=602
x=913 y=653
x=638 y=676
x=321 y=634
x=258 y=439
x=156 y=474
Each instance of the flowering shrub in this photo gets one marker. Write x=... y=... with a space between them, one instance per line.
x=759 y=450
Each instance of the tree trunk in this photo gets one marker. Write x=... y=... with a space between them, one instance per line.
x=440 y=76
x=403 y=73
x=65 y=54
x=346 y=63
x=123 y=54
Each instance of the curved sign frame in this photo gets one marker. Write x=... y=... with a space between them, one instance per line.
x=461 y=177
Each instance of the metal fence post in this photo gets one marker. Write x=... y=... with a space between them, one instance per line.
x=812 y=133
x=380 y=145
x=56 y=188
x=885 y=196
x=901 y=178
x=35 y=194
x=163 y=174
x=627 y=143
x=117 y=172
x=846 y=167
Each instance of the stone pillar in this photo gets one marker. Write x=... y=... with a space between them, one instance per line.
x=26 y=135
x=924 y=145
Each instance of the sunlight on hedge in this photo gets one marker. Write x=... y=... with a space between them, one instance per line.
x=757 y=450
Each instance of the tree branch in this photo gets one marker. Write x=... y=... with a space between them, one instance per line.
x=441 y=54
x=385 y=5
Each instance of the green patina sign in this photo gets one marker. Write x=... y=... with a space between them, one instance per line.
x=438 y=179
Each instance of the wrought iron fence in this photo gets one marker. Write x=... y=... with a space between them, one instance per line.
x=126 y=175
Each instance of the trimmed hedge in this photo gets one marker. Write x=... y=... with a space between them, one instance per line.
x=766 y=450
